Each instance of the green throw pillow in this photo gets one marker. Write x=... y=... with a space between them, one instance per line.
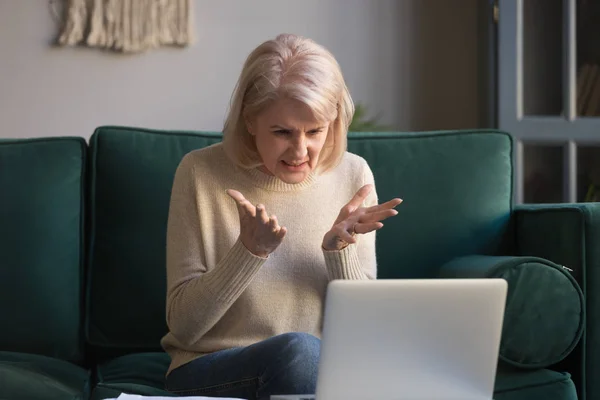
x=544 y=317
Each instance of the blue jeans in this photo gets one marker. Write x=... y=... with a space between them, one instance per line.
x=283 y=364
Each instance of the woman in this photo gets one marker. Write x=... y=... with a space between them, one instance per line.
x=260 y=223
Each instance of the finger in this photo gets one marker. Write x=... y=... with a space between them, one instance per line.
x=247 y=208
x=243 y=205
x=360 y=197
x=378 y=216
x=367 y=227
x=281 y=233
x=273 y=224
x=346 y=236
x=261 y=214
x=234 y=194
x=384 y=206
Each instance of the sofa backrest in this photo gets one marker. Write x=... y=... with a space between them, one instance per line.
x=456 y=188
x=41 y=246
x=132 y=172
x=457 y=192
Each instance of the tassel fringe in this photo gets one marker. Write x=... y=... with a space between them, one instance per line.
x=128 y=26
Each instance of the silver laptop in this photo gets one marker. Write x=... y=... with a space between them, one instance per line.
x=410 y=339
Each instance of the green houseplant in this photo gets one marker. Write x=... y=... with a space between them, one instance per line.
x=362 y=123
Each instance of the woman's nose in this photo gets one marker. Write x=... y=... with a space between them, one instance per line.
x=299 y=147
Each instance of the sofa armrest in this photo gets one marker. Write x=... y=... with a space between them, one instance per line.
x=544 y=316
x=569 y=235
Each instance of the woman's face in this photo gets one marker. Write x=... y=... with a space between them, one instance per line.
x=289 y=139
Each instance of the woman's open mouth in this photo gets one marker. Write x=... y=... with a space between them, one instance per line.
x=293 y=166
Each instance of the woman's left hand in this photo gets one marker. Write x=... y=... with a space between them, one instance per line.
x=354 y=219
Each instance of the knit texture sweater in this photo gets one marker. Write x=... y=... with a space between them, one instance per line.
x=219 y=294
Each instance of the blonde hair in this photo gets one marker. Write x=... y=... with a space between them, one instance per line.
x=294 y=67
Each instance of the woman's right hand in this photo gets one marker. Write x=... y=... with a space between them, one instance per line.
x=260 y=233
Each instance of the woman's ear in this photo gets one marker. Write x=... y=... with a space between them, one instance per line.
x=248 y=125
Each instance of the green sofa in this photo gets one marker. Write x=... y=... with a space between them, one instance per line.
x=82 y=257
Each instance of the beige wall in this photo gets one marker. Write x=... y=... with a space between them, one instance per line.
x=413 y=61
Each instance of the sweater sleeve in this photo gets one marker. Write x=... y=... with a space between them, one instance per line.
x=197 y=298
x=356 y=261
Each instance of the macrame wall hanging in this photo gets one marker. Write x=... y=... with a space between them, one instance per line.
x=127 y=26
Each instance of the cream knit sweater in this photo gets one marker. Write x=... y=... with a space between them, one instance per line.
x=219 y=294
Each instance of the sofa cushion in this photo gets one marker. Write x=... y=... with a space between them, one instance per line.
x=132 y=172
x=41 y=239
x=142 y=374
x=457 y=192
x=31 y=377
x=544 y=318
x=513 y=384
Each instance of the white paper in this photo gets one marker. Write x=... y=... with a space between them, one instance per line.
x=125 y=396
